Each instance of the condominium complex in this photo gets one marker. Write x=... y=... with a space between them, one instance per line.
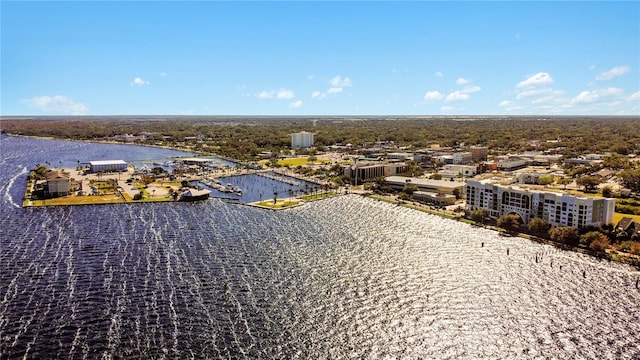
x=301 y=140
x=556 y=208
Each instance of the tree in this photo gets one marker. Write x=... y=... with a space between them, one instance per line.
x=615 y=161
x=631 y=179
x=538 y=225
x=311 y=159
x=607 y=192
x=595 y=240
x=565 y=234
x=565 y=181
x=457 y=192
x=436 y=176
x=410 y=189
x=510 y=222
x=590 y=183
x=478 y=215
x=545 y=180
x=275 y=197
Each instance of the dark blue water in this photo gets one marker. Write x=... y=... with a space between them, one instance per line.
x=347 y=277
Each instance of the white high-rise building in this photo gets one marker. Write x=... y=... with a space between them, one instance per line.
x=302 y=140
x=556 y=208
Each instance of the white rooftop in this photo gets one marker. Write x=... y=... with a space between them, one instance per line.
x=107 y=162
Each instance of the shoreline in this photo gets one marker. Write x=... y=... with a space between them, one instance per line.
x=620 y=257
x=626 y=258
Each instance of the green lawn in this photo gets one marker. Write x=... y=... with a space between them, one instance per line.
x=300 y=161
x=278 y=205
x=618 y=216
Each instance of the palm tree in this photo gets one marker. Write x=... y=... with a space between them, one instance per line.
x=290 y=194
x=275 y=197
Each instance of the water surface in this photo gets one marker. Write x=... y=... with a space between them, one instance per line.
x=347 y=277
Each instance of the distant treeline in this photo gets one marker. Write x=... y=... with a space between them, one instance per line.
x=244 y=137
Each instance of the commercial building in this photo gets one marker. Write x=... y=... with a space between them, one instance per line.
x=301 y=140
x=479 y=153
x=361 y=172
x=427 y=185
x=512 y=164
x=434 y=198
x=461 y=158
x=556 y=208
x=107 y=165
x=451 y=170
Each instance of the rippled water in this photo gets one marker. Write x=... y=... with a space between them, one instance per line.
x=347 y=277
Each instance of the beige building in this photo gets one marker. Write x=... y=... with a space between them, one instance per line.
x=556 y=208
x=58 y=183
x=364 y=171
x=427 y=185
x=479 y=153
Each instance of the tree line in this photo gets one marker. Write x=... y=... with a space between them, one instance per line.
x=243 y=138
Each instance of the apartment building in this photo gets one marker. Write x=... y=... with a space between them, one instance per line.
x=302 y=139
x=556 y=208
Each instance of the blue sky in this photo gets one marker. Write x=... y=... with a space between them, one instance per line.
x=320 y=58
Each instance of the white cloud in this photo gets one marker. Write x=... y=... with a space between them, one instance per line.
x=471 y=89
x=446 y=108
x=591 y=96
x=540 y=78
x=318 y=95
x=592 y=67
x=340 y=82
x=282 y=94
x=267 y=94
x=58 y=104
x=509 y=105
x=462 y=81
x=285 y=94
x=296 y=104
x=635 y=96
x=334 y=90
x=533 y=92
x=438 y=74
x=163 y=74
x=613 y=73
x=310 y=77
x=457 y=96
x=138 y=82
x=433 y=96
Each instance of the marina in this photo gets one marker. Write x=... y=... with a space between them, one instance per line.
x=348 y=277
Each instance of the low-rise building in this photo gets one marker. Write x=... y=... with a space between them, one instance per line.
x=427 y=185
x=434 y=198
x=452 y=170
x=399 y=156
x=556 y=208
x=365 y=171
x=107 y=165
x=58 y=183
x=479 y=153
x=462 y=158
x=511 y=164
